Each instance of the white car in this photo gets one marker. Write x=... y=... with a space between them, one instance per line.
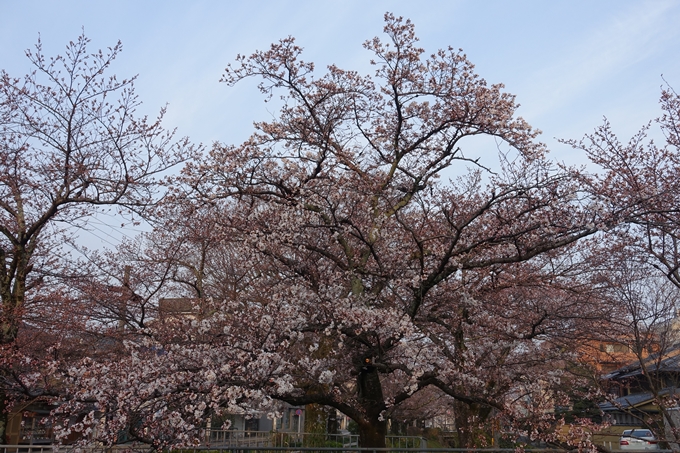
x=638 y=439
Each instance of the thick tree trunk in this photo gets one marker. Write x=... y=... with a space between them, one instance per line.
x=372 y=434
x=373 y=428
x=4 y=417
x=12 y=304
x=9 y=328
x=468 y=419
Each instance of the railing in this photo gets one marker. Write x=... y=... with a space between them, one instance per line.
x=219 y=438
x=244 y=447
x=261 y=449
x=26 y=448
x=373 y=449
x=393 y=447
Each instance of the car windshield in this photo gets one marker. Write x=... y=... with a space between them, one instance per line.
x=641 y=433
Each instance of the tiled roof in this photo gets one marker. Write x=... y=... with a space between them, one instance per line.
x=669 y=364
x=628 y=401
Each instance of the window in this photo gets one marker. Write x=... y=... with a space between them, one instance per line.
x=613 y=347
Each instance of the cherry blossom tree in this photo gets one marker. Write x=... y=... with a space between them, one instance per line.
x=631 y=357
x=374 y=270
x=373 y=252
x=638 y=188
x=70 y=146
x=639 y=182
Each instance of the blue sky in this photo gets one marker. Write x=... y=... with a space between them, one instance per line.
x=569 y=62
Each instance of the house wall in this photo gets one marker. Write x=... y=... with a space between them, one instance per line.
x=27 y=425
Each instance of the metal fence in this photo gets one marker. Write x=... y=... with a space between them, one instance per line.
x=265 y=449
x=258 y=449
x=268 y=442
x=220 y=439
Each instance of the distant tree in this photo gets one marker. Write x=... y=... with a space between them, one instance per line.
x=638 y=188
x=70 y=146
x=646 y=331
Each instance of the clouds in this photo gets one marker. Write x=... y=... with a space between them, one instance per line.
x=568 y=62
x=608 y=52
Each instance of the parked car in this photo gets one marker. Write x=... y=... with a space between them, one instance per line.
x=638 y=439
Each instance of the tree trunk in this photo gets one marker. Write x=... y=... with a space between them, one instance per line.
x=469 y=418
x=9 y=328
x=372 y=434
x=4 y=417
x=373 y=428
